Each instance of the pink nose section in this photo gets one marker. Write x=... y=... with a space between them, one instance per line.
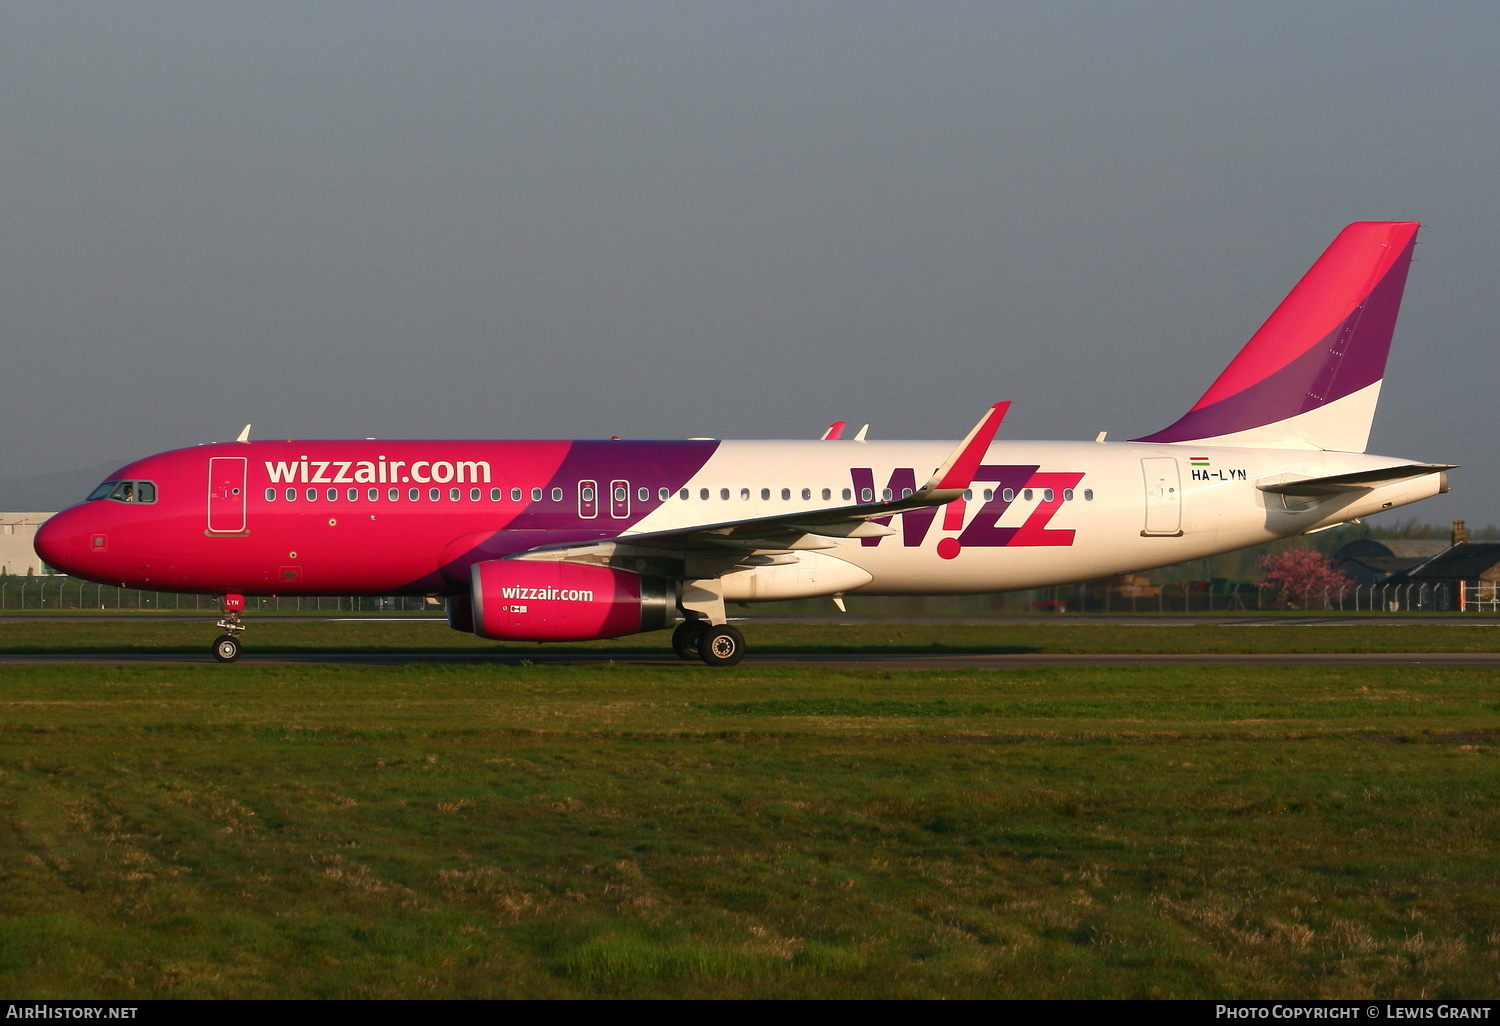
x=64 y=545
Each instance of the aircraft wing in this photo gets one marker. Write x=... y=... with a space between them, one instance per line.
x=785 y=532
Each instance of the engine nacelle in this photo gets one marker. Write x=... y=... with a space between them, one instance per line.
x=525 y=600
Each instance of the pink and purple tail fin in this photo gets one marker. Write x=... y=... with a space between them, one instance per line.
x=1310 y=377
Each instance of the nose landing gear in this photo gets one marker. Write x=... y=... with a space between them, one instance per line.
x=226 y=646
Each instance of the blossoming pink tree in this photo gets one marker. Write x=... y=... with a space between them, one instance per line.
x=1301 y=575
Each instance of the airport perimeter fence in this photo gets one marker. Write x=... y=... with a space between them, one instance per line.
x=1198 y=597
x=65 y=593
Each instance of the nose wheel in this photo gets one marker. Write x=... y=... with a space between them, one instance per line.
x=227 y=646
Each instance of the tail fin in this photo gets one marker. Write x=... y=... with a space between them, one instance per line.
x=1310 y=377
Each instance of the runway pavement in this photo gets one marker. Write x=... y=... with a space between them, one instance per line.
x=912 y=661
x=906 y=661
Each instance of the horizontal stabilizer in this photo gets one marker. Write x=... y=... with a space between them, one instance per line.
x=1357 y=481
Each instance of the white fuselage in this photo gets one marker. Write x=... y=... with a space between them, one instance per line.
x=1077 y=511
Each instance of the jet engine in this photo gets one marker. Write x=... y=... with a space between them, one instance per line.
x=524 y=600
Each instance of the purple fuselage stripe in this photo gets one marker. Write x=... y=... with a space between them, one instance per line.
x=650 y=465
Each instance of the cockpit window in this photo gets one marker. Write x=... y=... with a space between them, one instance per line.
x=125 y=491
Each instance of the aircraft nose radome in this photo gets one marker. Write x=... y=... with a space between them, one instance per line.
x=61 y=542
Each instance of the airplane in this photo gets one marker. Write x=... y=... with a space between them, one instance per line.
x=577 y=540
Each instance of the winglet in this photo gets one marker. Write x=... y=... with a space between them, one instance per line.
x=835 y=431
x=959 y=469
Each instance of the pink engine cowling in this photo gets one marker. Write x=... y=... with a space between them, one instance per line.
x=522 y=600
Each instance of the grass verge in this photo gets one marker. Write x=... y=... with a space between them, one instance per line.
x=490 y=831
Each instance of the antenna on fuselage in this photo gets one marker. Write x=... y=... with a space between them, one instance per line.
x=860 y=435
x=244 y=435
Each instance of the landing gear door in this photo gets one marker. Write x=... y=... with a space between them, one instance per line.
x=226 y=494
x=1163 y=497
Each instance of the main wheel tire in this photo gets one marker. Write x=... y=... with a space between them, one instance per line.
x=722 y=646
x=226 y=648
x=685 y=640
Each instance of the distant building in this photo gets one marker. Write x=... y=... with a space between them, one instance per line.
x=1429 y=560
x=17 y=555
x=1374 y=560
x=1467 y=562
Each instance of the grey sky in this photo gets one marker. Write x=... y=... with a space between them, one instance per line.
x=740 y=220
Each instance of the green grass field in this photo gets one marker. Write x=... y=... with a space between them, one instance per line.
x=416 y=638
x=491 y=830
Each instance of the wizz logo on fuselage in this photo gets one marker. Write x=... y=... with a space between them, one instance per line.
x=983 y=530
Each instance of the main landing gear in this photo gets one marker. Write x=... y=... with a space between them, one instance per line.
x=720 y=645
x=226 y=646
